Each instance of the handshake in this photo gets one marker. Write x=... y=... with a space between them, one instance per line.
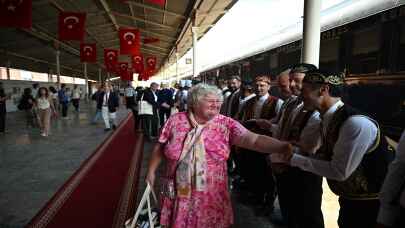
x=282 y=156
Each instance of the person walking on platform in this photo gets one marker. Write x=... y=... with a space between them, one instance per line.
x=63 y=100
x=259 y=176
x=150 y=122
x=300 y=125
x=54 y=97
x=3 y=111
x=392 y=196
x=165 y=102
x=76 y=94
x=45 y=110
x=195 y=146
x=354 y=155
x=27 y=102
x=108 y=102
x=95 y=98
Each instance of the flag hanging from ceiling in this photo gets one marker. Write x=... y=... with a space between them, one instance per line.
x=71 y=25
x=129 y=41
x=17 y=14
x=151 y=63
x=124 y=72
x=137 y=63
x=149 y=40
x=110 y=59
x=161 y=3
x=88 y=53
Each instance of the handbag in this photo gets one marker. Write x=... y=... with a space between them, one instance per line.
x=144 y=108
x=145 y=218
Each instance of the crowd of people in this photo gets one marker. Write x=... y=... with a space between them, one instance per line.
x=277 y=146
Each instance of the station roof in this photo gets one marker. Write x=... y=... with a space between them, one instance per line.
x=34 y=49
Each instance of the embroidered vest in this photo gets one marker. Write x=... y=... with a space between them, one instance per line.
x=268 y=112
x=288 y=108
x=365 y=182
x=298 y=125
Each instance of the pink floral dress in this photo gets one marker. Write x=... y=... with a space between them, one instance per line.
x=213 y=208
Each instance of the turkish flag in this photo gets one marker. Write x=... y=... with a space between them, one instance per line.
x=151 y=63
x=137 y=63
x=161 y=3
x=129 y=41
x=71 y=25
x=16 y=13
x=143 y=76
x=110 y=59
x=123 y=71
x=149 y=40
x=88 y=53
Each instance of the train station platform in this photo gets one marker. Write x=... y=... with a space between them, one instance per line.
x=35 y=173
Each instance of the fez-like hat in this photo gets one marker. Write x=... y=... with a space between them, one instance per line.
x=302 y=68
x=319 y=77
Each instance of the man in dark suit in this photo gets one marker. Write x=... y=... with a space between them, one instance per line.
x=165 y=102
x=150 y=122
x=108 y=102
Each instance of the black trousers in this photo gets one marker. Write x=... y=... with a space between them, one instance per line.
x=64 y=109
x=76 y=103
x=162 y=113
x=2 y=121
x=300 y=198
x=259 y=177
x=130 y=102
x=150 y=125
x=358 y=213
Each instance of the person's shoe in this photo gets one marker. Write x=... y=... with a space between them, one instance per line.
x=107 y=129
x=114 y=127
x=43 y=134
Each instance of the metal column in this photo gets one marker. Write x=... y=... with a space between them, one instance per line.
x=58 y=67
x=312 y=32
x=8 y=69
x=177 y=67
x=86 y=81
x=99 y=75
x=194 y=30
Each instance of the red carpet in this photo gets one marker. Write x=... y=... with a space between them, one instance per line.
x=102 y=191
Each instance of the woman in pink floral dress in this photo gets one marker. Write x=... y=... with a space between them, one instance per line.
x=196 y=145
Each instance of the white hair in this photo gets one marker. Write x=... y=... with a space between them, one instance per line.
x=201 y=90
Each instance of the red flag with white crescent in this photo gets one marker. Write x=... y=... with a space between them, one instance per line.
x=71 y=25
x=88 y=53
x=129 y=41
x=161 y=3
x=124 y=71
x=16 y=13
x=151 y=63
x=137 y=63
x=110 y=59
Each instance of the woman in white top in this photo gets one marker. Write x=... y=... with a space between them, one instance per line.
x=45 y=109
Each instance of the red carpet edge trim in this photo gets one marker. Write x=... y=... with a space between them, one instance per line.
x=56 y=202
x=128 y=196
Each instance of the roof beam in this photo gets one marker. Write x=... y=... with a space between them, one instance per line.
x=110 y=15
x=144 y=21
x=160 y=35
x=40 y=61
x=134 y=3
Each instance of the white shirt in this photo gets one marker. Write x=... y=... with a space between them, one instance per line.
x=393 y=187
x=310 y=137
x=130 y=92
x=243 y=101
x=76 y=94
x=154 y=95
x=105 y=99
x=357 y=134
x=43 y=103
x=260 y=102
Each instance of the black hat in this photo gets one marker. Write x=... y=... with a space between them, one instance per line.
x=302 y=68
x=319 y=77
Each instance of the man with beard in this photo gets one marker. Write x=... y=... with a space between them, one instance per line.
x=231 y=103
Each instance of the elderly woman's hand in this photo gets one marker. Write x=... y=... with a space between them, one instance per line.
x=150 y=178
x=284 y=156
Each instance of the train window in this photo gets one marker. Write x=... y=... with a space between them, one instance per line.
x=3 y=73
x=366 y=41
x=273 y=61
x=329 y=50
x=288 y=59
x=401 y=52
